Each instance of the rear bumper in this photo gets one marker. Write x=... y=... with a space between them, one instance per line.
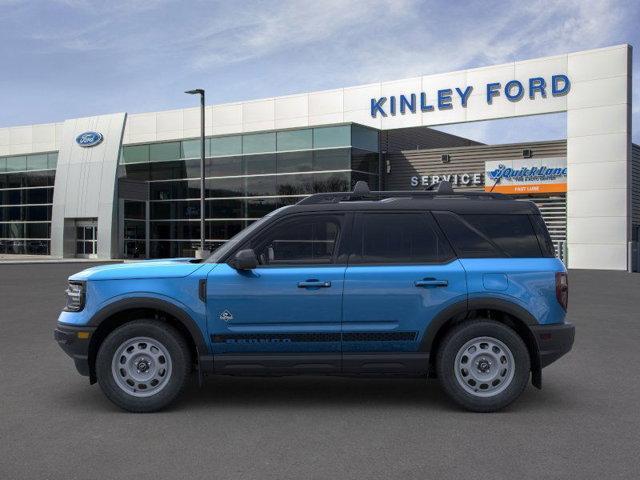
x=75 y=343
x=553 y=341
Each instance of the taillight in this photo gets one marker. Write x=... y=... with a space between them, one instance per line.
x=562 y=289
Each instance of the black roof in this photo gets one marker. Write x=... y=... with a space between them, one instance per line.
x=441 y=199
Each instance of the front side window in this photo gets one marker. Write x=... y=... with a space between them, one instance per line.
x=300 y=241
x=398 y=238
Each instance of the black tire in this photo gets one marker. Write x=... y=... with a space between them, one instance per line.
x=452 y=344
x=179 y=357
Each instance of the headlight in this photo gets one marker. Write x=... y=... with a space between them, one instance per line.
x=75 y=297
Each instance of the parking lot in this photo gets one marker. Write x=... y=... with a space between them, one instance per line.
x=583 y=424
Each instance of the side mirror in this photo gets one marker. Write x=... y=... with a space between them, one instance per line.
x=245 y=260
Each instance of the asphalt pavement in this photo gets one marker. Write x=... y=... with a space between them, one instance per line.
x=583 y=424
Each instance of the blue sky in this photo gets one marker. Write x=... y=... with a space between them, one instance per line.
x=72 y=58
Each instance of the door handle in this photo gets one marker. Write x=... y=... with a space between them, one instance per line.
x=431 y=282
x=314 y=284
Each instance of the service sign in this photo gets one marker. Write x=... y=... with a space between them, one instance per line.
x=526 y=175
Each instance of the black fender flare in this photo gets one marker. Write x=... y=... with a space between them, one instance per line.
x=461 y=308
x=133 y=303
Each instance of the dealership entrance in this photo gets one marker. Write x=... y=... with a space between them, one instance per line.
x=86 y=238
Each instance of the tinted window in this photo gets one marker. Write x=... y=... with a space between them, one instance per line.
x=398 y=238
x=544 y=239
x=304 y=240
x=467 y=241
x=513 y=234
x=490 y=235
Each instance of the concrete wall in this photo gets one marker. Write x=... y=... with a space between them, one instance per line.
x=27 y=139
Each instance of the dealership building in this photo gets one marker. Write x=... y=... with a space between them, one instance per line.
x=127 y=185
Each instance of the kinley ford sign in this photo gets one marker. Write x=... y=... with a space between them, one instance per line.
x=516 y=177
x=445 y=99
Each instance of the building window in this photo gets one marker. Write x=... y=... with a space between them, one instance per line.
x=160 y=152
x=328 y=137
x=224 y=146
x=295 y=140
x=26 y=195
x=259 y=143
x=247 y=176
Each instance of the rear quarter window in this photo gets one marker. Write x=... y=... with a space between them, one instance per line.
x=490 y=235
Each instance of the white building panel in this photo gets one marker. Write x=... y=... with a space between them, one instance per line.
x=590 y=204
x=598 y=256
x=359 y=98
x=598 y=93
x=326 y=103
x=599 y=63
x=292 y=107
x=21 y=135
x=600 y=230
x=597 y=176
x=597 y=120
x=170 y=121
x=597 y=148
x=540 y=67
x=261 y=111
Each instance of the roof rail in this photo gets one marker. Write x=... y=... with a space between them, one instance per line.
x=361 y=192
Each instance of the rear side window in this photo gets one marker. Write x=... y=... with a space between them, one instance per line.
x=484 y=235
x=544 y=239
x=394 y=238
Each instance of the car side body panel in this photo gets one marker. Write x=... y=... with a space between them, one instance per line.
x=526 y=282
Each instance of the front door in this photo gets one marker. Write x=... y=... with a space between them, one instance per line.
x=285 y=315
x=401 y=273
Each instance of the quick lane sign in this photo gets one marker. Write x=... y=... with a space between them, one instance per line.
x=523 y=176
x=446 y=99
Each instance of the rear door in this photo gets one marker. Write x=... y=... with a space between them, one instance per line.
x=401 y=273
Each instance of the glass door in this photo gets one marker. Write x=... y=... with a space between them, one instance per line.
x=86 y=239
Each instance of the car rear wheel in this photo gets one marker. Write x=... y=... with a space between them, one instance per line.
x=483 y=365
x=143 y=365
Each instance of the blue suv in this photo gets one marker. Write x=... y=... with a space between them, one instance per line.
x=464 y=287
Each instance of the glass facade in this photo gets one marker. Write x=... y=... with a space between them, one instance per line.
x=247 y=176
x=26 y=197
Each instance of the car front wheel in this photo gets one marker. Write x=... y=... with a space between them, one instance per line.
x=143 y=365
x=483 y=365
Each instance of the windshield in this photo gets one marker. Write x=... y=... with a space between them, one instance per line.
x=239 y=238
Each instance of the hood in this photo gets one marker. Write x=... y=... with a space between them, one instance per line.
x=165 y=268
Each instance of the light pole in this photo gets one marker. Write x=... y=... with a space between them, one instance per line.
x=202 y=252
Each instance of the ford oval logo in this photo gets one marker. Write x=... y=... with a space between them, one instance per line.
x=89 y=139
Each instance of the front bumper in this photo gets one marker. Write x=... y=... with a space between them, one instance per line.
x=553 y=341
x=75 y=343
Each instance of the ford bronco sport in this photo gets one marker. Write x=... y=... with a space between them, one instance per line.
x=464 y=287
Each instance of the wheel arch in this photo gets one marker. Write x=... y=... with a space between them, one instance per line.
x=126 y=310
x=506 y=312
